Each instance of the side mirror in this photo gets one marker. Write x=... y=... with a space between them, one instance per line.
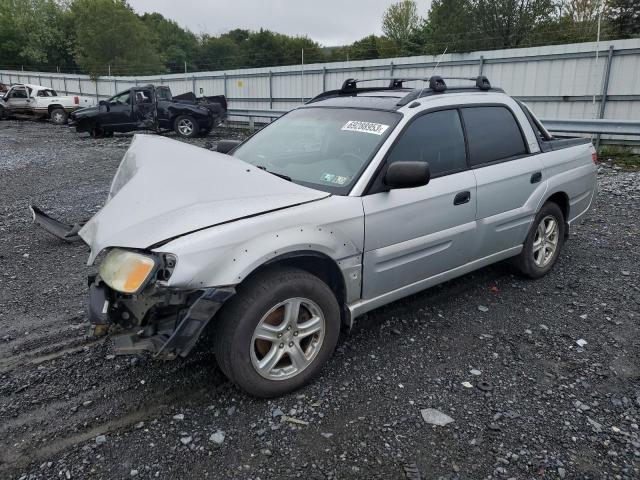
x=225 y=146
x=407 y=175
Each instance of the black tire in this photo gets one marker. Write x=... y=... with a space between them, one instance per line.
x=186 y=126
x=526 y=261
x=206 y=131
x=96 y=131
x=59 y=116
x=237 y=322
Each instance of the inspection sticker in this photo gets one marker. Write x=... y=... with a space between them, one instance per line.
x=365 y=127
x=337 y=179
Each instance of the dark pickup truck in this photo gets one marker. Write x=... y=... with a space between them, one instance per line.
x=152 y=107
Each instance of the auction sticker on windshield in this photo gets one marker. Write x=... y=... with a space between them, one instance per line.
x=365 y=127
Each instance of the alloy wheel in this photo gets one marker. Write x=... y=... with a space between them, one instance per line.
x=185 y=127
x=287 y=338
x=545 y=242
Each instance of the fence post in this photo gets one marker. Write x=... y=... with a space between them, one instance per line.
x=97 y=96
x=251 y=125
x=605 y=90
x=481 y=65
x=391 y=70
x=193 y=82
x=115 y=86
x=224 y=79
x=324 y=79
x=64 y=83
x=270 y=90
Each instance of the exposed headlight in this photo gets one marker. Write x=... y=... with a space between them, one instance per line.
x=127 y=271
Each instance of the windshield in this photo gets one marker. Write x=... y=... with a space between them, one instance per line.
x=322 y=148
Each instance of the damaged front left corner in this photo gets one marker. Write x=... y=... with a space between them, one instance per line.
x=163 y=321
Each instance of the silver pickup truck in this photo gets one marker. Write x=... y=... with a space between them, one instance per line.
x=360 y=197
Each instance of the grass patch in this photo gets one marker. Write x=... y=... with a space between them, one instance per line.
x=619 y=155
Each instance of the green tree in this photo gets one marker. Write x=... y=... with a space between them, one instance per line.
x=449 y=25
x=624 y=16
x=35 y=33
x=509 y=23
x=219 y=53
x=108 y=32
x=175 y=44
x=400 y=23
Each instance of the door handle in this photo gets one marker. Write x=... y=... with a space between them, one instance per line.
x=462 y=197
x=536 y=177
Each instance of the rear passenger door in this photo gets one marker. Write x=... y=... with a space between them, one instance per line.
x=415 y=233
x=510 y=179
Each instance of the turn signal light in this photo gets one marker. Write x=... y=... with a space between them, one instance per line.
x=76 y=100
x=594 y=157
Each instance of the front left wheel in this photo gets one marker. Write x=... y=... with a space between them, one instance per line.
x=277 y=332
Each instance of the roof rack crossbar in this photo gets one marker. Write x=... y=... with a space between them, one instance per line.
x=436 y=85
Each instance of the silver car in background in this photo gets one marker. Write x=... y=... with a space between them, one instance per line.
x=359 y=198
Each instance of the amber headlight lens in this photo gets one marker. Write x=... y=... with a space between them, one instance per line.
x=126 y=271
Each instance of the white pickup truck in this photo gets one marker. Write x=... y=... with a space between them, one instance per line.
x=41 y=102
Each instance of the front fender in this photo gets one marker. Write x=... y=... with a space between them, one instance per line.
x=226 y=254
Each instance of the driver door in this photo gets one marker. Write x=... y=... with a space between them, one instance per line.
x=17 y=99
x=413 y=234
x=119 y=117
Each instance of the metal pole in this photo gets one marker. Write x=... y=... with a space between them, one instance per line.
x=391 y=70
x=302 y=76
x=185 y=67
x=115 y=86
x=79 y=85
x=324 y=79
x=605 y=90
x=64 y=82
x=481 y=65
x=193 y=83
x=270 y=90
x=97 y=96
x=224 y=79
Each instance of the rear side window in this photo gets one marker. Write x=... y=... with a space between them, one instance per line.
x=493 y=134
x=436 y=138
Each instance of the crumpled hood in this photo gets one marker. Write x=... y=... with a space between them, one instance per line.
x=165 y=188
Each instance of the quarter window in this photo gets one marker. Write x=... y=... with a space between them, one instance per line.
x=493 y=134
x=436 y=138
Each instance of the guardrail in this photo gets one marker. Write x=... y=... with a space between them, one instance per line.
x=560 y=125
x=597 y=126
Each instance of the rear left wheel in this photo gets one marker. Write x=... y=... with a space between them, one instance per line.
x=59 y=116
x=186 y=126
x=275 y=335
x=544 y=242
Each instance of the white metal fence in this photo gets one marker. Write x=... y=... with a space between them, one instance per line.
x=576 y=81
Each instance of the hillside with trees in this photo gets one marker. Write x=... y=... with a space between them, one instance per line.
x=102 y=36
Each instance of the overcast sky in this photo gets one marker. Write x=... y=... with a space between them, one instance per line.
x=329 y=22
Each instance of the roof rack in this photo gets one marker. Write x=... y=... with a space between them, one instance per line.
x=436 y=85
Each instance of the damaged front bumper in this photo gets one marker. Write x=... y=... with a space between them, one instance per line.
x=164 y=321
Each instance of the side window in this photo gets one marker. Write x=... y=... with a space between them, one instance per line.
x=122 y=99
x=19 y=93
x=493 y=134
x=436 y=138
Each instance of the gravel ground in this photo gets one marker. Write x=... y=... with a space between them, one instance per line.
x=541 y=378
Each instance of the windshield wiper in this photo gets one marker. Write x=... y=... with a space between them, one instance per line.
x=281 y=175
